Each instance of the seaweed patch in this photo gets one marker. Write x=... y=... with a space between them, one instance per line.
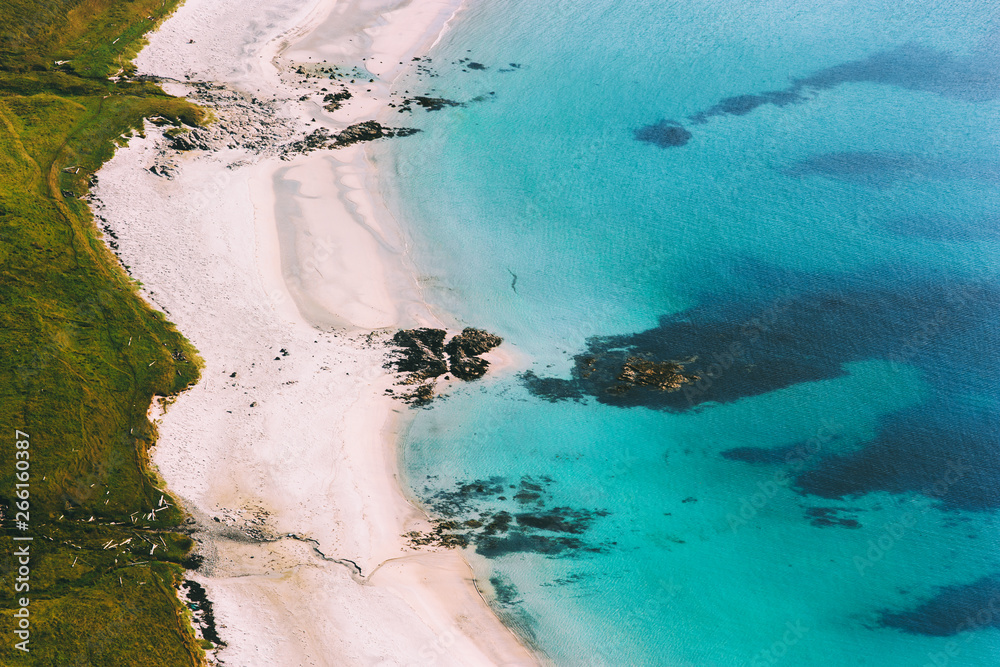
x=824 y=517
x=952 y=610
x=665 y=134
x=971 y=78
x=498 y=518
x=943 y=449
x=882 y=170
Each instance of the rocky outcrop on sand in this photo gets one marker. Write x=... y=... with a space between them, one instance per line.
x=322 y=138
x=472 y=342
x=333 y=101
x=468 y=368
x=258 y=125
x=241 y=121
x=420 y=354
x=369 y=131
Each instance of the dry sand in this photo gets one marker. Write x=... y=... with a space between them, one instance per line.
x=285 y=275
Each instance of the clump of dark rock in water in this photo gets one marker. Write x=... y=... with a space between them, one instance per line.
x=613 y=374
x=480 y=514
x=427 y=103
x=662 y=375
x=665 y=134
x=421 y=354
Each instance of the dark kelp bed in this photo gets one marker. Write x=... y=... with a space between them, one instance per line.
x=83 y=355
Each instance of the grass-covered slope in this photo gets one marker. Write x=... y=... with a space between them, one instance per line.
x=81 y=355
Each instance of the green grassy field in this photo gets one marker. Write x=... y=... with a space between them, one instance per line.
x=83 y=355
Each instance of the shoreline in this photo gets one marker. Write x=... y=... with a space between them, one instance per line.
x=297 y=501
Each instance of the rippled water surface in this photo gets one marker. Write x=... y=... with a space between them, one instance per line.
x=797 y=203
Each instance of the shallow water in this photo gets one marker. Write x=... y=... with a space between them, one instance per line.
x=798 y=201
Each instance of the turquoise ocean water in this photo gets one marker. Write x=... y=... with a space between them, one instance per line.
x=798 y=200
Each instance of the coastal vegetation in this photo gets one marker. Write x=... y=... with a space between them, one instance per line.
x=83 y=354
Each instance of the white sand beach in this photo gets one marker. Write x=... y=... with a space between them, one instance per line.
x=286 y=275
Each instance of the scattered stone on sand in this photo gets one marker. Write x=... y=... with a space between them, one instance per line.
x=336 y=100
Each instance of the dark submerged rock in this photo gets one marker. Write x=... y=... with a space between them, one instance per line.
x=910 y=317
x=662 y=375
x=476 y=514
x=828 y=517
x=665 y=134
x=428 y=103
x=557 y=520
x=952 y=610
x=552 y=389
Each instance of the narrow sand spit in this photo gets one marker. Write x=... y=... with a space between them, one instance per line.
x=281 y=275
